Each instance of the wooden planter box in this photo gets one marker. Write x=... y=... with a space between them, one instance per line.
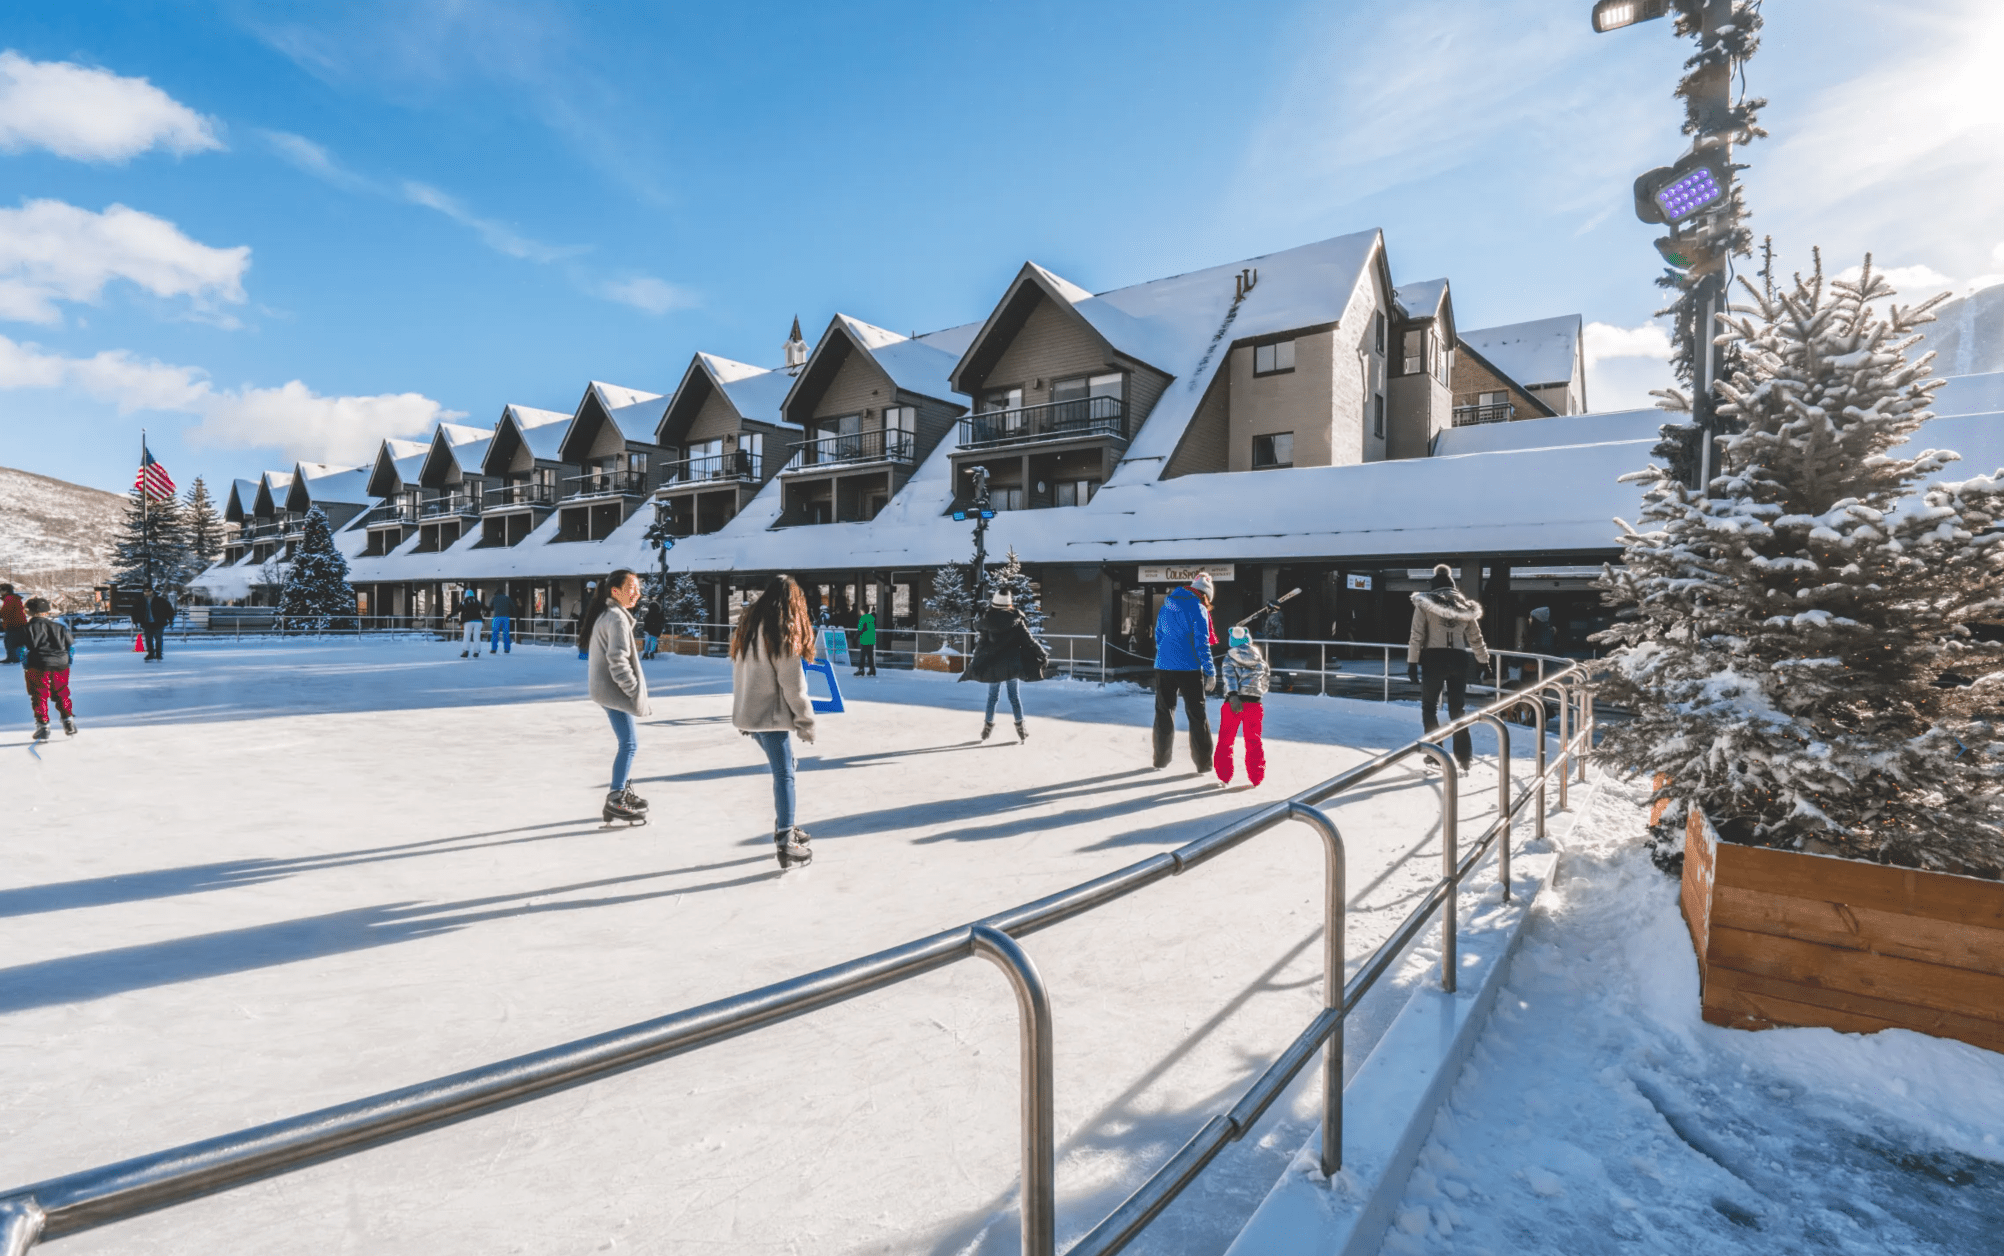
x=685 y=645
x=1785 y=938
x=955 y=663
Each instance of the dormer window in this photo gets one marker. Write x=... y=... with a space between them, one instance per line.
x=1273 y=359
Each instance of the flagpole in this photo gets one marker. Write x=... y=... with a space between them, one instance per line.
x=145 y=510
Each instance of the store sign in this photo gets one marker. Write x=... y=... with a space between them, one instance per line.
x=1221 y=573
x=1357 y=582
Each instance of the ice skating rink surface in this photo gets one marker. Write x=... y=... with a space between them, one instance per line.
x=270 y=877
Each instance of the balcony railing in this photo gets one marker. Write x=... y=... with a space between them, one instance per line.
x=263 y=529
x=1055 y=420
x=512 y=495
x=740 y=464
x=1469 y=416
x=448 y=505
x=386 y=513
x=607 y=483
x=873 y=446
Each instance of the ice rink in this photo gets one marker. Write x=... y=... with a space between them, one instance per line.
x=272 y=877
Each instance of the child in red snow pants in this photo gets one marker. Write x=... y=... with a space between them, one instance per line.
x=1231 y=720
x=44 y=685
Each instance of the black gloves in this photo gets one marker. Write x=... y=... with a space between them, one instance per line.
x=1412 y=672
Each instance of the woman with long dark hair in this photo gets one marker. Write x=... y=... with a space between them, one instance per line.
x=605 y=637
x=769 y=701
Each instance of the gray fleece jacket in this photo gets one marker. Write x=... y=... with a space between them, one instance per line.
x=614 y=666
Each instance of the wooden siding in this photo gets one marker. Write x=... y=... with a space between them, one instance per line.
x=859 y=385
x=935 y=422
x=1791 y=939
x=1206 y=443
x=1052 y=344
x=716 y=418
x=1145 y=386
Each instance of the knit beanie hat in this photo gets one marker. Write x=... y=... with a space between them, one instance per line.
x=1203 y=584
x=1542 y=614
x=1443 y=578
x=1003 y=599
x=1239 y=636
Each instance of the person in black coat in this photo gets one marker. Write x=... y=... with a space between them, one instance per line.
x=1005 y=655
x=654 y=625
x=153 y=615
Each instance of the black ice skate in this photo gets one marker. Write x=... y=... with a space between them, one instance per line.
x=632 y=799
x=617 y=809
x=41 y=733
x=791 y=847
x=986 y=729
x=1022 y=733
x=70 y=725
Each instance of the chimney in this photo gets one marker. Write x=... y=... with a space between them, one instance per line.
x=796 y=347
x=1243 y=282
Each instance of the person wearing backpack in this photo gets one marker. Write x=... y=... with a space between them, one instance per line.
x=1446 y=637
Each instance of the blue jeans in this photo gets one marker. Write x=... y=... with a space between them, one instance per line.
x=778 y=749
x=653 y=644
x=501 y=638
x=1015 y=698
x=627 y=729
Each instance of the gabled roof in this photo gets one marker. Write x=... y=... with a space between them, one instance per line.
x=1422 y=299
x=398 y=465
x=912 y=365
x=273 y=487
x=454 y=446
x=1017 y=300
x=321 y=483
x=1534 y=354
x=242 y=502
x=635 y=413
x=541 y=430
x=754 y=392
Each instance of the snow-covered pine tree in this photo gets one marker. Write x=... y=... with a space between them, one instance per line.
x=683 y=602
x=1011 y=578
x=152 y=545
x=951 y=603
x=1795 y=641
x=205 y=529
x=316 y=592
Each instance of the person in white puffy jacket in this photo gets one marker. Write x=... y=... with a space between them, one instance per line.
x=605 y=637
x=769 y=701
x=1446 y=637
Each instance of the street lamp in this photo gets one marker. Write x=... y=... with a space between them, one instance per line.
x=1612 y=15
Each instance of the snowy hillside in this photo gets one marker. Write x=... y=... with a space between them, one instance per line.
x=55 y=537
x=1969 y=334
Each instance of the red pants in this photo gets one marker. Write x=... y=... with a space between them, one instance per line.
x=1229 y=724
x=45 y=685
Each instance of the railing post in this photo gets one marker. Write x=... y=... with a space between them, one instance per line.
x=1335 y=927
x=1039 y=1202
x=1565 y=739
x=1450 y=856
x=20 y=1225
x=1502 y=799
x=1387 y=668
x=1586 y=727
x=1538 y=709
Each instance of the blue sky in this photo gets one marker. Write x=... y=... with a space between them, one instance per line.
x=278 y=232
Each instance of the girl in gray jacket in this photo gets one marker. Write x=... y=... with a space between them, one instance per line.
x=605 y=637
x=769 y=701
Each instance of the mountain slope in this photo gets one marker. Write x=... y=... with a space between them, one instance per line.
x=1969 y=333
x=56 y=537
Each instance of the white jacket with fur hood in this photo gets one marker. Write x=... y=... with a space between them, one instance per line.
x=1446 y=619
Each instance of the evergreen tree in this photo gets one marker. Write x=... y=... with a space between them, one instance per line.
x=1794 y=641
x=953 y=600
x=204 y=529
x=316 y=592
x=1010 y=578
x=682 y=601
x=152 y=545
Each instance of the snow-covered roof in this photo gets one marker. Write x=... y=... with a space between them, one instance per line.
x=1969 y=394
x=242 y=501
x=1543 y=351
x=273 y=487
x=1421 y=299
x=755 y=392
x=913 y=365
x=1565 y=429
x=541 y=430
x=636 y=414
x=465 y=444
x=316 y=483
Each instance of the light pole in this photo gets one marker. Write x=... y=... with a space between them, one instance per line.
x=982 y=514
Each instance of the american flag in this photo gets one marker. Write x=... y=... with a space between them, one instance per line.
x=153 y=479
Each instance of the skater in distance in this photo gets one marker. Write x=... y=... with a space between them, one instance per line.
x=605 y=637
x=1446 y=637
x=472 y=616
x=1005 y=655
x=769 y=701
x=49 y=649
x=1183 y=668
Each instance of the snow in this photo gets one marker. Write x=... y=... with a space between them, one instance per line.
x=314 y=483
x=1421 y=299
x=541 y=430
x=272 y=877
x=1541 y=352
x=242 y=501
x=913 y=365
x=273 y=487
x=465 y=444
x=54 y=534
x=1599 y=1113
x=1552 y=433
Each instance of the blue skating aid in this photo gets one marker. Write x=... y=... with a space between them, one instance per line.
x=833 y=704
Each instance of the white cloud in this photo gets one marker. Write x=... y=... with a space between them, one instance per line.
x=88 y=114
x=1605 y=340
x=292 y=417
x=496 y=236
x=1912 y=283
x=644 y=292
x=51 y=252
x=316 y=161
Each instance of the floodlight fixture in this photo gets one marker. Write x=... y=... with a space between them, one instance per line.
x=1612 y=15
x=1701 y=181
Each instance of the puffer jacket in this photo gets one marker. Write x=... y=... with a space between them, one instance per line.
x=13 y=612
x=616 y=679
x=1446 y=619
x=1183 y=634
x=769 y=695
x=1246 y=672
x=49 y=645
x=1005 y=650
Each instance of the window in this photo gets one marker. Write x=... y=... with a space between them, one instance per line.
x=1274 y=450
x=1002 y=399
x=1418 y=352
x=1274 y=358
x=637 y=463
x=1076 y=492
x=901 y=419
x=838 y=438
x=1378 y=416
x=1378 y=332
x=1491 y=398
x=1005 y=499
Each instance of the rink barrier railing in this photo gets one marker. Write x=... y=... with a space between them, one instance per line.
x=80 y=1201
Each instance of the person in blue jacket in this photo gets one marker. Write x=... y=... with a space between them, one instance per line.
x=1183 y=668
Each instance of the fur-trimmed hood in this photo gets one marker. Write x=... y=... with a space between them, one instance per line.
x=1449 y=604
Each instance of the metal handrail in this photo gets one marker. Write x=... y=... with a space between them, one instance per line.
x=65 y=1205
x=738 y=464
x=603 y=483
x=1077 y=417
x=874 y=445
x=1469 y=416
x=446 y=505
x=528 y=493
